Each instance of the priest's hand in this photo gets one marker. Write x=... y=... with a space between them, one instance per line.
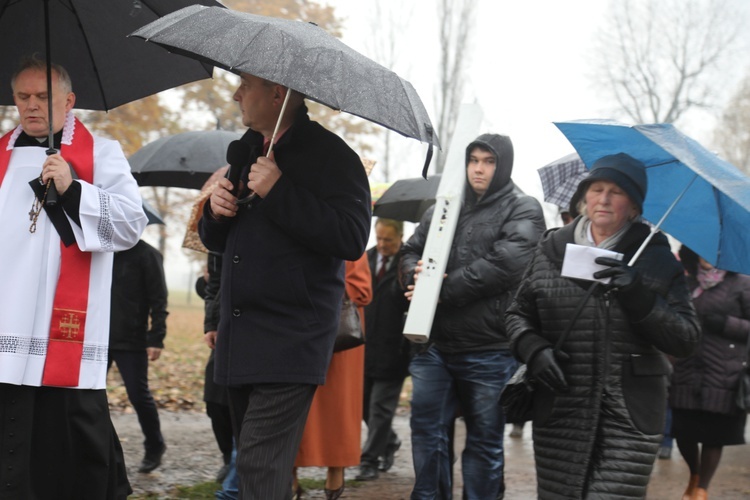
x=153 y=353
x=57 y=169
x=223 y=202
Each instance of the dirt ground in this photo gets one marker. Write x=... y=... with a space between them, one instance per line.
x=192 y=457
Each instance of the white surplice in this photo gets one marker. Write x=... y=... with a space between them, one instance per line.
x=112 y=219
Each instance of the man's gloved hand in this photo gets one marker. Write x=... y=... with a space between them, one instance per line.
x=635 y=298
x=543 y=368
x=713 y=323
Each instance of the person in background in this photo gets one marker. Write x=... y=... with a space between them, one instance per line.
x=387 y=351
x=705 y=417
x=333 y=430
x=599 y=401
x=214 y=395
x=139 y=293
x=54 y=316
x=304 y=210
x=467 y=361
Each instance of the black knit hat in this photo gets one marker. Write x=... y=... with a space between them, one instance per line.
x=625 y=171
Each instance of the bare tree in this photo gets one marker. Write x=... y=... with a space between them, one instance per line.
x=662 y=58
x=455 y=23
x=389 y=21
x=732 y=135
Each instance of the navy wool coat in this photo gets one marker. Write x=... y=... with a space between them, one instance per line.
x=282 y=277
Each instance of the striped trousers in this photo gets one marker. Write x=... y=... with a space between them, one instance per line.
x=268 y=421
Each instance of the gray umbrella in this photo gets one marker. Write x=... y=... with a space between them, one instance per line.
x=298 y=55
x=183 y=160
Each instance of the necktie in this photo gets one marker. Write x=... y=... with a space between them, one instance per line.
x=382 y=270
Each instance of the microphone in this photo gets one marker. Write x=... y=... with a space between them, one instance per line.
x=238 y=157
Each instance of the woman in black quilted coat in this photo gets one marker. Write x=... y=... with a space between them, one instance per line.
x=599 y=405
x=704 y=385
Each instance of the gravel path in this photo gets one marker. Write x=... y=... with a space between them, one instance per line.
x=193 y=457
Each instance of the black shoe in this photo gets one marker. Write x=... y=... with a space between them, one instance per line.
x=152 y=460
x=222 y=474
x=390 y=452
x=367 y=473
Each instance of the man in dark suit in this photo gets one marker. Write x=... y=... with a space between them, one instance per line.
x=386 y=351
x=139 y=293
x=282 y=276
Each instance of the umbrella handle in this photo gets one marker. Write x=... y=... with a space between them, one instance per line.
x=661 y=221
x=278 y=121
x=253 y=195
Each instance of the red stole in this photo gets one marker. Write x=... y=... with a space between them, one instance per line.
x=62 y=366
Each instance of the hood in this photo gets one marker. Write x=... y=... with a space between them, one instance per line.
x=502 y=148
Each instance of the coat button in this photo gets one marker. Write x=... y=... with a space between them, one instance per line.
x=236 y=259
x=236 y=313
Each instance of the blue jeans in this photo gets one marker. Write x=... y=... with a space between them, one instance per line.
x=442 y=383
x=230 y=488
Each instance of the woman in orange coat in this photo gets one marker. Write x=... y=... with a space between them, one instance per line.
x=333 y=431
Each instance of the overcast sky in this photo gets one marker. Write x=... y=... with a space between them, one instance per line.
x=527 y=69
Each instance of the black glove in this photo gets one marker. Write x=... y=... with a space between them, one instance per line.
x=713 y=323
x=544 y=368
x=635 y=298
x=624 y=277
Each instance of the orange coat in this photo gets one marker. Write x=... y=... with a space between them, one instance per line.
x=333 y=431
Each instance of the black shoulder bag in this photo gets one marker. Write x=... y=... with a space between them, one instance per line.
x=517 y=397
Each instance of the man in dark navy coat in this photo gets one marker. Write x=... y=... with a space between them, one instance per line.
x=282 y=277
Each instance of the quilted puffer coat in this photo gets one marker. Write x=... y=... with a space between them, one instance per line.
x=708 y=380
x=600 y=439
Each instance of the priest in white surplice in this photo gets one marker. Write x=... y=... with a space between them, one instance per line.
x=56 y=437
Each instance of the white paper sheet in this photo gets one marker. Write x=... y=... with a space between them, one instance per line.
x=579 y=262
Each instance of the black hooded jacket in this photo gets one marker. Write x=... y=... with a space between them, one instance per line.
x=494 y=240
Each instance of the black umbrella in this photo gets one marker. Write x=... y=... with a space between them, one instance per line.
x=298 y=55
x=407 y=199
x=183 y=160
x=151 y=214
x=89 y=39
x=90 y=42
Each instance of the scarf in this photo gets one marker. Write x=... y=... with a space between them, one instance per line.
x=583 y=236
x=707 y=278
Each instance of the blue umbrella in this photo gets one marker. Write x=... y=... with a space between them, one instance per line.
x=694 y=195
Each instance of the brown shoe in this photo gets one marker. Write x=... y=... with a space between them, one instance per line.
x=700 y=494
x=692 y=485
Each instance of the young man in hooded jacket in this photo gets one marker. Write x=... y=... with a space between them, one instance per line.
x=467 y=360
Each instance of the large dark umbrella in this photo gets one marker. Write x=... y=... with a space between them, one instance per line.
x=183 y=160
x=407 y=199
x=299 y=55
x=88 y=38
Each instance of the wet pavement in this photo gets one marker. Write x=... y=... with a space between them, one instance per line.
x=193 y=457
